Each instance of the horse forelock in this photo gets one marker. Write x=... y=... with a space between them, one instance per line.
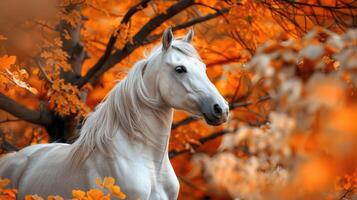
x=186 y=48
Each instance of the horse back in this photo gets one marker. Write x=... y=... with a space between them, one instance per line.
x=12 y=166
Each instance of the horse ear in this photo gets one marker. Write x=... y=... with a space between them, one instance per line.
x=167 y=38
x=189 y=36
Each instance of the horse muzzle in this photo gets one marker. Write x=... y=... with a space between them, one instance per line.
x=215 y=113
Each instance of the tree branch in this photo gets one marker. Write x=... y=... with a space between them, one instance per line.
x=9 y=120
x=202 y=19
x=108 y=60
x=174 y=153
x=190 y=23
x=184 y=122
x=37 y=117
x=319 y=5
x=111 y=43
x=223 y=61
x=139 y=6
x=231 y=107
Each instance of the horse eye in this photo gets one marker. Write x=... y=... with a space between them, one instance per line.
x=180 y=69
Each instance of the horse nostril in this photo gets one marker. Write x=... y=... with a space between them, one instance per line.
x=217 y=109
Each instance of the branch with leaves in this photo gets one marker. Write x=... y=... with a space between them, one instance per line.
x=189 y=23
x=210 y=137
x=109 y=59
x=214 y=135
x=110 y=45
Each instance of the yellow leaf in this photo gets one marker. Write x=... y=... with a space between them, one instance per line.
x=3 y=37
x=66 y=35
x=28 y=197
x=116 y=191
x=120 y=195
x=79 y=194
x=21 y=83
x=108 y=182
x=95 y=194
x=8 y=194
x=107 y=197
x=33 y=197
x=6 y=61
x=51 y=197
x=99 y=182
x=4 y=182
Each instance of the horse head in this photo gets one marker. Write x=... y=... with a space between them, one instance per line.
x=182 y=81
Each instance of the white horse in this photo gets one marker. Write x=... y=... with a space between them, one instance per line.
x=127 y=136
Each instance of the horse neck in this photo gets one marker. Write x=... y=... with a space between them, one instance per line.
x=152 y=147
x=152 y=141
x=132 y=120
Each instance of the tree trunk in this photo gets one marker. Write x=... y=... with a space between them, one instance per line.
x=64 y=130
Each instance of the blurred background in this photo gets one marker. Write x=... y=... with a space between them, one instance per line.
x=288 y=68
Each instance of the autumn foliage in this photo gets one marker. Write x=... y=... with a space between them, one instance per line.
x=287 y=68
x=107 y=190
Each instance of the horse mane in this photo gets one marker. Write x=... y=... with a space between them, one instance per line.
x=120 y=109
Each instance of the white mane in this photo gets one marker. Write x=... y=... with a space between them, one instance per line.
x=121 y=110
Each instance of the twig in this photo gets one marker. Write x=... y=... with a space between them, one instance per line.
x=6 y=145
x=72 y=4
x=9 y=120
x=44 y=72
x=223 y=61
x=350 y=6
x=347 y=192
x=189 y=183
x=184 y=122
x=44 y=25
x=248 y=103
x=236 y=90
